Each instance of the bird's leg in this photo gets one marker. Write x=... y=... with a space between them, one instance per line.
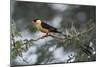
x=46 y=34
x=43 y=36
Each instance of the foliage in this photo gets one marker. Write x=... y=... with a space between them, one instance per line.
x=18 y=46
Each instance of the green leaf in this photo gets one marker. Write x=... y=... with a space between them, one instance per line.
x=19 y=44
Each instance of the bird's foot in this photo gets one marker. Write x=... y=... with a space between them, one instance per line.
x=43 y=36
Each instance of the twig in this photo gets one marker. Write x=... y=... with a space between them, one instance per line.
x=24 y=60
x=55 y=37
x=85 y=31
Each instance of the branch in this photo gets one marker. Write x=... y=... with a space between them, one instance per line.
x=56 y=37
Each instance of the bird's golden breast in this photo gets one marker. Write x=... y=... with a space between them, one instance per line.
x=44 y=30
x=40 y=28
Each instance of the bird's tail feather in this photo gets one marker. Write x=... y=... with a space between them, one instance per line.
x=61 y=33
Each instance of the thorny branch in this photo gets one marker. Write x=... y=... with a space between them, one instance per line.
x=56 y=37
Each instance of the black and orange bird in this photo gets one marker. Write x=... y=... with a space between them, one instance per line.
x=44 y=27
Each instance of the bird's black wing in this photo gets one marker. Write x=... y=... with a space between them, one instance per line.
x=46 y=26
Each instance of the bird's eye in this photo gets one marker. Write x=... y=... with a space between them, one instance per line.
x=35 y=20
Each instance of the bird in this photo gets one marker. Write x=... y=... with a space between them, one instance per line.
x=44 y=27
